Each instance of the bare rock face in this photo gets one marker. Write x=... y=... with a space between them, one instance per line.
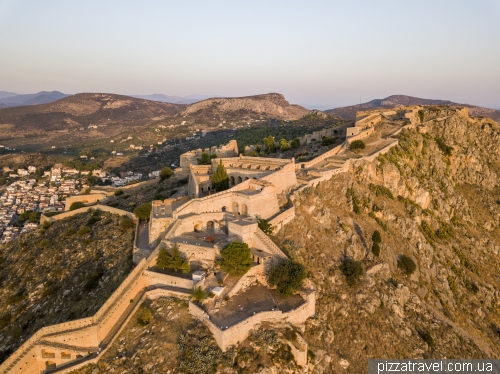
x=272 y=105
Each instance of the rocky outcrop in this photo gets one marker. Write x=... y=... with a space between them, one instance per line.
x=270 y=105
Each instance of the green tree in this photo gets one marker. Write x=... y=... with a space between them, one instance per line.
x=206 y=159
x=352 y=270
x=236 y=259
x=407 y=265
x=144 y=316
x=376 y=237
x=143 y=211
x=284 y=145
x=76 y=205
x=295 y=143
x=328 y=140
x=166 y=173
x=198 y=294
x=287 y=276
x=270 y=144
x=220 y=179
x=126 y=223
x=172 y=259
x=265 y=226
x=357 y=146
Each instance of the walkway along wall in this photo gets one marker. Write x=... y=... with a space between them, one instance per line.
x=104 y=208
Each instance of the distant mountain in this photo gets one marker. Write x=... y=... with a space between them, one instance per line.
x=174 y=99
x=271 y=105
x=4 y=94
x=42 y=97
x=394 y=101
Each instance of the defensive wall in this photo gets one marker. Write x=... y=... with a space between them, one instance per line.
x=62 y=343
x=85 y=199
x=309 y=164
x=236 y=333
x=104 y=208
x=283 y=218
x=228 y=150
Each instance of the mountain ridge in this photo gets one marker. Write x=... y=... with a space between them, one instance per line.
x=394 y=101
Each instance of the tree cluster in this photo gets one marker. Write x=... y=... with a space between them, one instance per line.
x=376 y=239
x=172 y=259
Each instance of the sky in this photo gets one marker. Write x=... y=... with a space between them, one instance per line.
x=321 y=54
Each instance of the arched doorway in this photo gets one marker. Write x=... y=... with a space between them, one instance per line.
x=246 y=178
x=244 y=209
x=239 y=180
x=223 y=208
x=231 y=181
x=210 y=226
x=236 y=208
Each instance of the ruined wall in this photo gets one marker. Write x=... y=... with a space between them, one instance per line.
x=362 y=134
x=369 y=121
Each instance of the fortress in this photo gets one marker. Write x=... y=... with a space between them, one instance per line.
x=200 y=224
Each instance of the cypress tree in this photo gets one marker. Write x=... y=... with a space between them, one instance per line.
x=220 y=179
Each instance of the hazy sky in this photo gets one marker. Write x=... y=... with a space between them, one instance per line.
x=325 y=53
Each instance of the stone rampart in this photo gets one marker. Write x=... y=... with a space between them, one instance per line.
x=282 y=219
x=383 y=150
x=104 y=208
x=240 y=331
x=309 y=164
x=85 y=199
x=362 y=134
x=256 y=272
x=159 y=279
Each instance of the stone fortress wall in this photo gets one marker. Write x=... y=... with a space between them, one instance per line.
x=190 y=158
x=68 y=344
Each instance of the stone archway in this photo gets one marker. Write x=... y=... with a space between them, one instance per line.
x=236 y=208
x=244 y=209
x=223 y=208
x=239 y=180
x=247 y=178
x=232 y=181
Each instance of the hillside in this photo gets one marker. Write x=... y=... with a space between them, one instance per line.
x=10 y=99
x=60 y=273
x=270 y=105
x=394 y=101
x=441 y=210
x=434 y=198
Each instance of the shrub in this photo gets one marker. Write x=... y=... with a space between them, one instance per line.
x=352 y=270
x=126 y=223
x=118 y=192
x=265 y=226
x=407 y=265
x=166 y=173
x=446 y=149
x=76 y=205
x=445 y=231
x=328 y=140
x=143 y=211
x=376 y=237
x=144 y=316
x=206 y=159
x=287 y=276
x=83 y=231
x=295 y=143
x=357 y=146
x=472 y=287
x=44 y=243
x=198 y=294
x=236 y=259
x=376 y=249
x=381 y=191
x=46 y=225
x=426 y=337
x=421 y=115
